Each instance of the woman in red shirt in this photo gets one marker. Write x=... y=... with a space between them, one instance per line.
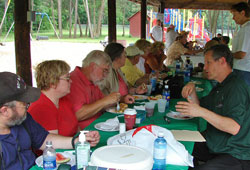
x=52 y=111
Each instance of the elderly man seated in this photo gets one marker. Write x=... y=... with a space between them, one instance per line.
x=18 y=131
x=134 y=76
x=226 y=109
x=177 y=49
x=85 y=96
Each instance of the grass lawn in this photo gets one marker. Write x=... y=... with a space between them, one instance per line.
x=78 y=39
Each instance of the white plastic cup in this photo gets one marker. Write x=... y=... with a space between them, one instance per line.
x=122 y=128
x=149 y=89
x=150 y=108
x=161 y=105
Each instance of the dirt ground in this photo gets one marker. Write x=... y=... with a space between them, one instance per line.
x=72 y=53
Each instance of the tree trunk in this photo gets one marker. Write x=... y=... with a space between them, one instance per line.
x=85 y=2
x=79 y=24
x=60 y=18
x=53 y=15
x=94 y=19
x=75 y=23
x=123 y=20
x=100 y=17
x=222 y=21
x=70 y=18
x=86 y=29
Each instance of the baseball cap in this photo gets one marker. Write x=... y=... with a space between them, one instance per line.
x=13 y=87
x=133 y=51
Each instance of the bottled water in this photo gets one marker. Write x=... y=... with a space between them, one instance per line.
x=166 y=95
x=153 y=79
x=160 y=150
x=177 y=67
x=49 y=157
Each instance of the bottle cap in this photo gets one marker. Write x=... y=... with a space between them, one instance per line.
x=48 y=143
x=166 y=86
x=161 y=134
x=82 y=137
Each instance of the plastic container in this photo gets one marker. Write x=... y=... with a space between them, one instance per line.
x=159 y=154
x=153 y=79
x=166 y=95
x=82 y=150
x=49 y=157
x=122 y=157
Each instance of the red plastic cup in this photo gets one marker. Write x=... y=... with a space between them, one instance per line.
x=129 y=117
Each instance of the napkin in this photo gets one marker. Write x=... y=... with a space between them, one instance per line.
x=110 y=124
x=141 y=107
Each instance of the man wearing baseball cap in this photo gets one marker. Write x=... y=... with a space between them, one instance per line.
x=133 y=75
x=18 y=131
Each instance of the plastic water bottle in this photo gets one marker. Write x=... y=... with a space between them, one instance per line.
x=49 y=157
x=166 y=95
x=177 y=67
x=153 y=80
x=160 y=150
x=186 y=75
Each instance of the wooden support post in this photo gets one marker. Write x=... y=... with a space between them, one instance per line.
x=112 y=20
x=22 y=41
x=143 y=18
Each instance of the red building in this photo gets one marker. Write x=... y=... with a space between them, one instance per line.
x=135 y=25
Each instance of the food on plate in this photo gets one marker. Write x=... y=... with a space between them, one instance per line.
x=123 y=106
x=61 y=159
x=155 y=97
x=139 y=97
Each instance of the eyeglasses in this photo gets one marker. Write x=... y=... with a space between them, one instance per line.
x=65 y=78
x=25 y=105
x=105 y=71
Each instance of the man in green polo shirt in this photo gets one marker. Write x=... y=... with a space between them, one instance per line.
x=227 y=111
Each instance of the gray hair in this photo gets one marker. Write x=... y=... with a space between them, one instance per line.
x=10 y=104
x=98 y=57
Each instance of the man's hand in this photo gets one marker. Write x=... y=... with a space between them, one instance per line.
x=189 y=108
x=188 y=90
x=112 y=98
x=93 y=137
x=129 y=99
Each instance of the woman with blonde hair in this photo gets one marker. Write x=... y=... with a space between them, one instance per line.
x=144 y=46
x=155 y=58
x=52 y=111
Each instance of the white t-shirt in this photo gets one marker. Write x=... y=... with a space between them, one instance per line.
x=170 y=38
x=157 y=33
x=140 y=64
x=241 y=42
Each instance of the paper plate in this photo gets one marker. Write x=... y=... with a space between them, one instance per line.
x=140 y=97
x=67 y=154
x=196 y=82
x=113 y=110
x=198 y=89
x=177 y=115
x=104 y=127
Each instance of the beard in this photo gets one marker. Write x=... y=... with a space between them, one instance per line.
x=16 y=119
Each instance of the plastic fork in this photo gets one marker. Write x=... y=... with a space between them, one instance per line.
x=117 y=106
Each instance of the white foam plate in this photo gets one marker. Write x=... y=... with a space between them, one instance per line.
x=112 y=110
x=140 y=97
x=177 y=115
x=67 y=154
x=198 y=89
x=104 y=127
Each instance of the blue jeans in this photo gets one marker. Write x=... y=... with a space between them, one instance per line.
x=244 y=75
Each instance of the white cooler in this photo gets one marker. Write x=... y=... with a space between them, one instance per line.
x=122 y=157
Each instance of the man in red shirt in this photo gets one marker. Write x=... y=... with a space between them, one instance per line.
x=85 y=96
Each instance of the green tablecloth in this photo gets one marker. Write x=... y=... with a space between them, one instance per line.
x=157 y=119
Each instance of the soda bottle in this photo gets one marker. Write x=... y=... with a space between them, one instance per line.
x=153 y=79
x=166 y=95
x=49 y=157
x=159 y=154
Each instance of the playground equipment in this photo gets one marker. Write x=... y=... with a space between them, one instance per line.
x=42 y=16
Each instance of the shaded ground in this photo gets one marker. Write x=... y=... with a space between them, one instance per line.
x=72 y=53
